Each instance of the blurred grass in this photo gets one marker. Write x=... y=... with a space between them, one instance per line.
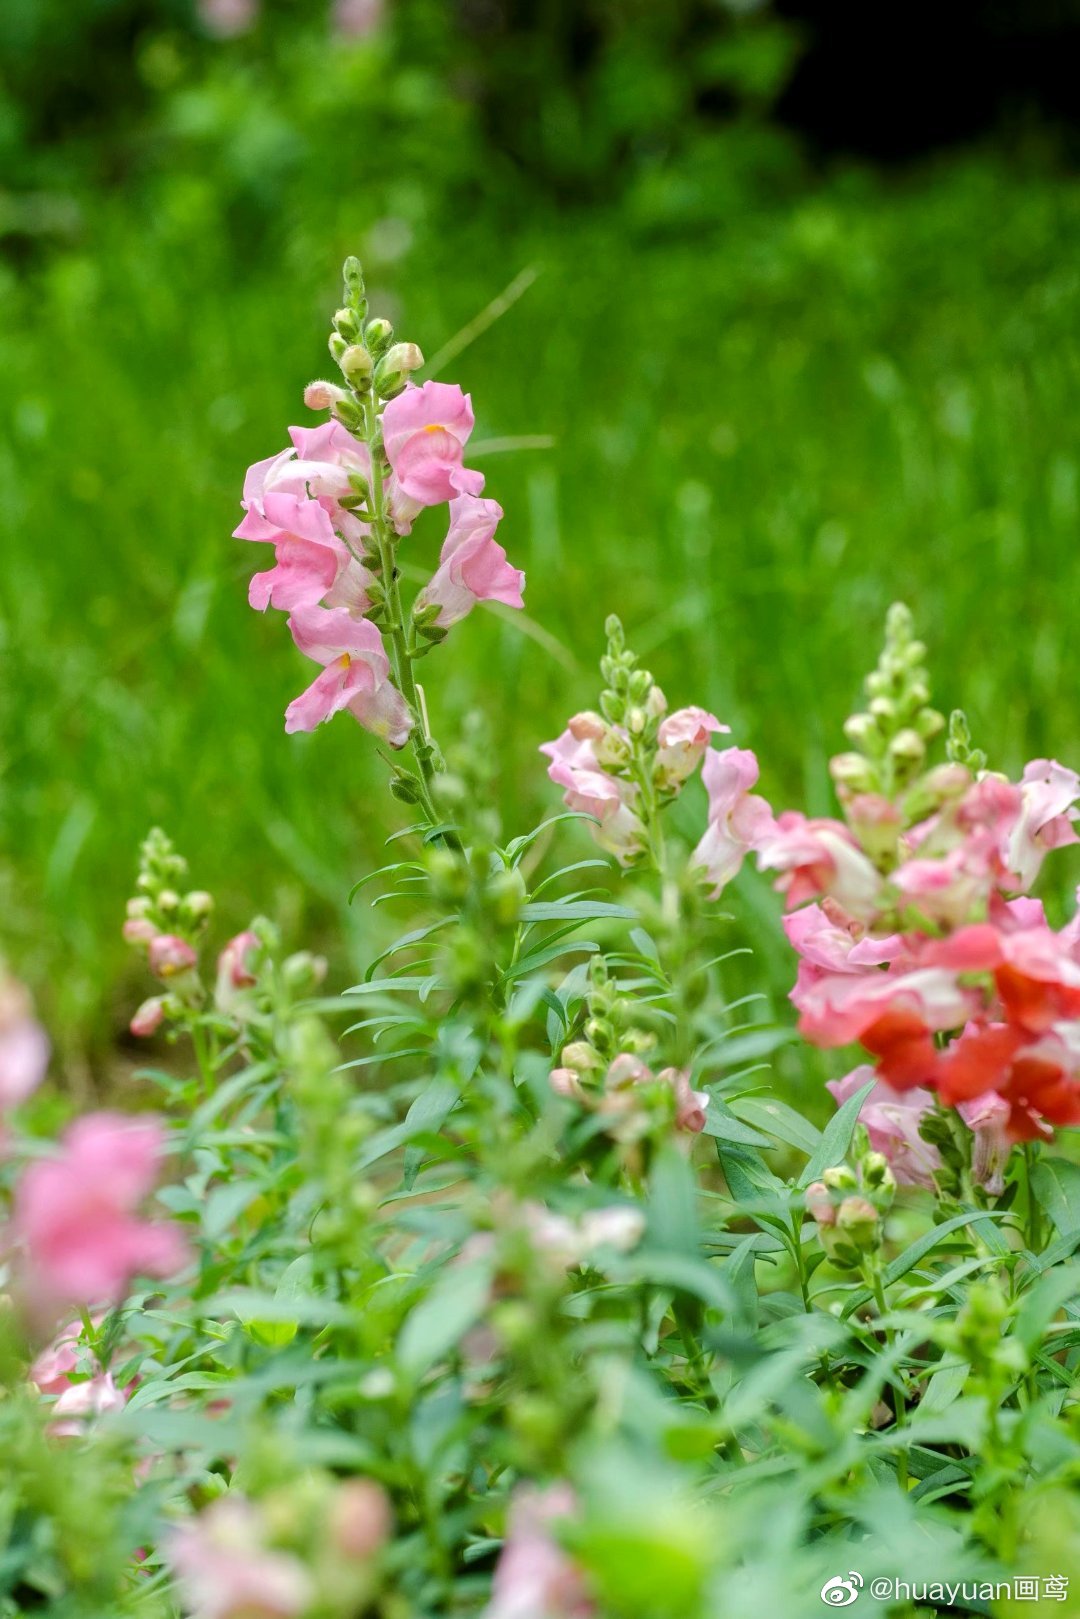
x=762 y=435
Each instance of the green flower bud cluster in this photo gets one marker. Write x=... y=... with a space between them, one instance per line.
x=958 y=745
x=849 y=1205
x=631 y=698
x=365 y=352
x=610 y=1026
x=980 y=1335
x=890 y=736
x=160 y=902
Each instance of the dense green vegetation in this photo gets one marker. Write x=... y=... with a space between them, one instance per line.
x=750 y=418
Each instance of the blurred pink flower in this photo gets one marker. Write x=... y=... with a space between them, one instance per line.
x=819 y=857
x=225 y=19
x=169 y=955
x=691 y=1106
x=738 y=818
x=226 y=1571
x=892 y=1121
x=24 y=1045
x=535 y=1578
x=356 y=19
x=356 y=675
x=51 y=1371
x=425 y=431
x=472 y=564
x=79 y=1403
x=988 y=1117
x=75 y=1214
x=1048 y=793
x=148 y=1018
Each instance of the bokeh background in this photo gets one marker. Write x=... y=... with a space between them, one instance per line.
x=796 y=336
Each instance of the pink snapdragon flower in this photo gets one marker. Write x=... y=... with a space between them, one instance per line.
x=988 y=1118
x=226 y=19
x=170 y=956
x=738 y=818
x=535 y=1578
x=80 y=1403
x=472 y=565
x=356 y=676
x=892 y=1121
x=24 y=1045
x=682 y=739
x=292 y=501
x=425 y=431
x=818 y=857
x=226 y=1571
x=51 y=1371
x=691 y=1107
x=591 y=791
x=75 y=1214
x=1048 y=794
x=357 y=19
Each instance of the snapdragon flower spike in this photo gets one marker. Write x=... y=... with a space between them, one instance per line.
x=356 y=676
x=425 y=431
x=75 y=1214
x=738 y=819
x=472 y=566
x=591 y=791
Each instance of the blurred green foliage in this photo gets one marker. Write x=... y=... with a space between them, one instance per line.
x=774 y=405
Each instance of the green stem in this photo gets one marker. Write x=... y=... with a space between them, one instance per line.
x=400 y=655
x=899 y=1401
x=1034 y=1220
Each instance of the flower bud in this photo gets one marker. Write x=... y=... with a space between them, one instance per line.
x=565 y=1082
x=878 y=1176
x=321 y=395
x=357 y=365
x=337 y=346
x=908 y=745
x=626 y=1070
x=149 y=1018
x=581 y=1057
x=303 y=972
x=139 y=930
x=360 y=1520
x=403 y=357
x=819 y=1205
x=851 y=773
x=859 y=1222
x=839 y=1178
x=346 y=323
x=587 y=726
x=860 y=728
x=378 y=335
x=198 y=905
x=169 y=955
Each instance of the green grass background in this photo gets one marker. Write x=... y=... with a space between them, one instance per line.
x=763 y=431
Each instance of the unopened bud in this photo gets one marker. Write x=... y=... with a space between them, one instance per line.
x=149 y=1018
x=581 y=1057
x=198 y=904
x=378 y=335
x=908 y=746
x=839 y=1178
x=356 y=364
x=321 y=395
x=403 y=357
x=346 y=323
x=360 y=1519
x=819 y=1205
x=587 y=727
x=858 y=1219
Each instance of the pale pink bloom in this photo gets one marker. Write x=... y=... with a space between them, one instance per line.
x=946 y=890
x=819 y=857
x=425 y=431
x=226 y=1571
x=738 y=818
x=690 y=1106
x=534 y=1577
x=51 y=1371
x=24 y=1045
x=620 y=1227
x=139 y=930
x=988 y=1117
x=626 y=1070
x=356 y=19
x=169 y=956
x=892 y=1121
x=75 y=1214
x=148 y=1018
x=682 y=739
x=79 y=1403
x=826 y=938
x=472 y=564
x=228 y=18
x=591 y=791
x=356 y=676
x=565 y=1082
x=234 y=962
x=360 y=1518
x=1048 y=792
